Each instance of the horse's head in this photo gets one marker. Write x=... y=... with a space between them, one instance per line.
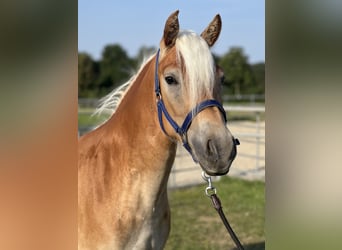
x=189 y=77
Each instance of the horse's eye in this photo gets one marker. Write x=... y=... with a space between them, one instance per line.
x=170 y=80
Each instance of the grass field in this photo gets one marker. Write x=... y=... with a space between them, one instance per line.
x=195 y=224
x=86 y=119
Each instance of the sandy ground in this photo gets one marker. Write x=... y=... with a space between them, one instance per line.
x=186 y=173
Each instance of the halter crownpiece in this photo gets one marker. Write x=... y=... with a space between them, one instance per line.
x=182 y=130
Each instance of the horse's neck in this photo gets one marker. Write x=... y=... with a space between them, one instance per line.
x=124 y=166
x=146 y=152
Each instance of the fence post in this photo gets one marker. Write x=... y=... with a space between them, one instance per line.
x=258 y=140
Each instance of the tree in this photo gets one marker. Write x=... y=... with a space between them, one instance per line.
x=97 y=78
x=238 y=73
x=88 y=72
x=259 y=74
x=115 y=68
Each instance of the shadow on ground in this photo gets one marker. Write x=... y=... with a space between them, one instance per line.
x=253 y=246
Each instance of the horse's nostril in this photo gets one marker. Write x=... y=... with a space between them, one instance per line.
x=212 y=150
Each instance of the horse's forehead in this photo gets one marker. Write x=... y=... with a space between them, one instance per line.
x=170 y=59
x=174 y=59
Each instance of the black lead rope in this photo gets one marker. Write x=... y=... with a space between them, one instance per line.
x=211 y=192
x=217 y=205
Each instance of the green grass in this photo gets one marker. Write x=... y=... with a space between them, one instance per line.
x=85 y=118
x=195 y=224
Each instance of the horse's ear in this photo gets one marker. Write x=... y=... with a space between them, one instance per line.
x=171 y=29
x=212 y=32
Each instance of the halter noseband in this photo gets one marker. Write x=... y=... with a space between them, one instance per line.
x=181 y=130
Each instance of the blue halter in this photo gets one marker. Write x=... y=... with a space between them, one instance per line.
x=181 y=130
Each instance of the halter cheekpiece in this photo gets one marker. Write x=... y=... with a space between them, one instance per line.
x=181 y=130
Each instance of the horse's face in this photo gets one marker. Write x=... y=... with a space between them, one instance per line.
x=189 y=76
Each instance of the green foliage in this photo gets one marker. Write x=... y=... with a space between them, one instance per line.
x=239 y=76
x=115 y=68
x=97 y=78
x=259 y=74
x=88 y=71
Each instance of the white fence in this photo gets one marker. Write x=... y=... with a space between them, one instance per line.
x=257 y=133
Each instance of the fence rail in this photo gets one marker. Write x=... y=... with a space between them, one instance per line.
x=252 y=98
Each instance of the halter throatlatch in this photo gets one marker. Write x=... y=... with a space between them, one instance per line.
x=181 y=130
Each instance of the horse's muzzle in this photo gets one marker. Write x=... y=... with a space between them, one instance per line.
x=215 y=157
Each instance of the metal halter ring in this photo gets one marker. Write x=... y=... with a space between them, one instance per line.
x=158 y=97
x=210 y=190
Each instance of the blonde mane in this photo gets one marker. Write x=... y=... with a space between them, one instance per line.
x=199 y=65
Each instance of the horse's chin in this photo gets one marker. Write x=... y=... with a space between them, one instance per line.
x=217 y=174
x=213 y=171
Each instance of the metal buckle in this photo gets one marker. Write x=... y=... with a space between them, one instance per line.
x=158 y=97
x=210 y=190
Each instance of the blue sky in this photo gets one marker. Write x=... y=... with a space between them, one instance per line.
x=134 y=23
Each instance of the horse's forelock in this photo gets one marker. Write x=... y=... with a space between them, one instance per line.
x=198 y=61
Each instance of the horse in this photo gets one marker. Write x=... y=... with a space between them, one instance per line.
x=125 y=163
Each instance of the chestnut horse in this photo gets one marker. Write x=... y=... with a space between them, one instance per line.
x=125 y=163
